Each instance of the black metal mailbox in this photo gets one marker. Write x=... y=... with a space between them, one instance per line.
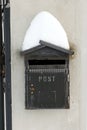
x=46 y=77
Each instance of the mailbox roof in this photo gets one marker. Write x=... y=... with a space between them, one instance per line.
x=44 y=44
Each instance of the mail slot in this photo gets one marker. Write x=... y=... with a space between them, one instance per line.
x=46 y=78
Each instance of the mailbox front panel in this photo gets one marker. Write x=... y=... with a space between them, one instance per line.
x=46 y=86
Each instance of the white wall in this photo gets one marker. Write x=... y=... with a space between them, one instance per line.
x=84 y=66
x=72 y=15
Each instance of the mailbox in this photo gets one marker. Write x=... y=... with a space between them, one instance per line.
x=47 y=77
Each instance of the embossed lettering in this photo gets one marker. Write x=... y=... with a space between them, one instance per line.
x=46 y=78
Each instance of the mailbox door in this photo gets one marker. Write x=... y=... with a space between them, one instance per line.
x=46 y=86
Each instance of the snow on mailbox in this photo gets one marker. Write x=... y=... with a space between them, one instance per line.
x=46 y=51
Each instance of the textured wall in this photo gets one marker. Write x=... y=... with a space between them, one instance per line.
x=70 y=14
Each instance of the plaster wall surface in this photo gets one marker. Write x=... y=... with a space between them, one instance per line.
x=72 y=15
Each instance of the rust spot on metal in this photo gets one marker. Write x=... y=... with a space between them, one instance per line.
x=73 y=48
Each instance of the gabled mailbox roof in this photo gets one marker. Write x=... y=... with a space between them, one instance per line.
x=44 y=44
x=70 y=52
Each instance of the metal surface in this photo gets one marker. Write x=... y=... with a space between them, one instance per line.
x=45 y=45
x=46 y=53
x=7 y=67
x=47 y=84
x=32 y=49
x=3 y=3
x=69 y=52
x=1 y=78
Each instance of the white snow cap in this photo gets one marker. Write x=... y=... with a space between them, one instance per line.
x=47 y=28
